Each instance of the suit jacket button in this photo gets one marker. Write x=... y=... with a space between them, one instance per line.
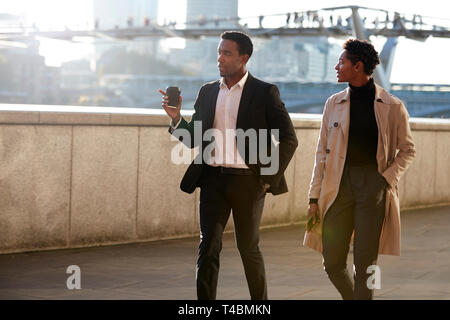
x=327 y=151
x=335 y=124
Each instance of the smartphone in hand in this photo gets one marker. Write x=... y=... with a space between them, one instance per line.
x=174 y=96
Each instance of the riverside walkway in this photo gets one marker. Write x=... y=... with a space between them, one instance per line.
x=165 y=270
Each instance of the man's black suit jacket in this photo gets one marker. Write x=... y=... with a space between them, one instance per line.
x=260 y=108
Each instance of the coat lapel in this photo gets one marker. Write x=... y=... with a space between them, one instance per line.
x=244 y=104
x=381 y=115
x=211 y=106
x=343 y=110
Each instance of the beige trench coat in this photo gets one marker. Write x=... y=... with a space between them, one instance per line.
x=394 y=135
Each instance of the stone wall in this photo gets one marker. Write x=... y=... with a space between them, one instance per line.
x=85 y=176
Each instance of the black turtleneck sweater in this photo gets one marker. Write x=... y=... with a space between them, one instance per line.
x=363 y=130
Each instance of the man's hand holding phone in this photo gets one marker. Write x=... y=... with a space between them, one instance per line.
x=172 y=111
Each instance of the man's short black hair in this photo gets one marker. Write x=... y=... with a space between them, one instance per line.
x=361 y=50
x=245 y=45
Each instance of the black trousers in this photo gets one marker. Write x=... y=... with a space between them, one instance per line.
x=359 y=207
x=244 y=196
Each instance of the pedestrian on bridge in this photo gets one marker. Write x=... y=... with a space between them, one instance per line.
x=364 y=147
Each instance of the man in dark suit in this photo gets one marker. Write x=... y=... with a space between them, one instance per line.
x=235 y=175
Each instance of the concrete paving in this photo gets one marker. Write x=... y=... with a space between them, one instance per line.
x=165 y=270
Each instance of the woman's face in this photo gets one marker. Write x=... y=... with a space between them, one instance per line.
x=346 y=70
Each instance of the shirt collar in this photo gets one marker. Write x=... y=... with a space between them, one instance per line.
x=240 y=84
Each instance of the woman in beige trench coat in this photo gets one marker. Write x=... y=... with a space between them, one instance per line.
x=364 y=147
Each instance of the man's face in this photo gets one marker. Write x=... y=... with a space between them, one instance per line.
x=229 y=61
x=346 y=70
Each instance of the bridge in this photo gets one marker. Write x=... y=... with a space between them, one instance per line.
x=156 y=31
x=308 y=23
x=311 y=23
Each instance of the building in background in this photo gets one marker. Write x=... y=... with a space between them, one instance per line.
x=24 y=77
x=112 y=57
x=111 y=14
x=200 y=56
x=300 y=59
x=278 y=59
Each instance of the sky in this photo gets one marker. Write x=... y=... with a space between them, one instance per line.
x=420 y=62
